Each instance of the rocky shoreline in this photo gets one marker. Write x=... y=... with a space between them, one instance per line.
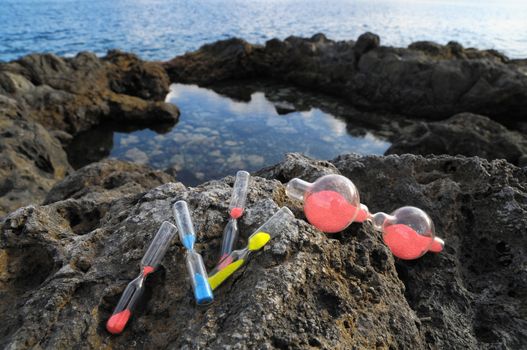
x=72 y=239
x=408 y=93
x=425 y=80
x=46 y=100
x=63 y=99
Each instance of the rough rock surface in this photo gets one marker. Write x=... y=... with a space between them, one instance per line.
x=31 y=161
x=426 y=80
x=74 y=94
x=466 y=134
x=58 y=285
x=112 y=178
x=45 y=100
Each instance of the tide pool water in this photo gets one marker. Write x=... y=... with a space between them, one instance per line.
x=160 y=30
x=216 y=136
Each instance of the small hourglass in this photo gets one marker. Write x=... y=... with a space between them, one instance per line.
x=408 y=232
x=331 y=203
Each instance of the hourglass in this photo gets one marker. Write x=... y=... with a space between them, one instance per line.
x=134 y=290
x=195 y=266
x=236 y=259
x=331 y=203
x=236 y=209
x=408 y=232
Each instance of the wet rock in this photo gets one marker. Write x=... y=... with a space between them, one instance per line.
x=466 y=134
x=305 y=289
x=427 y=80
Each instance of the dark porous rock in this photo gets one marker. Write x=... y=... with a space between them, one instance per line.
x=455 y=48
x=111 y=177
x=470 y=296
x=297 y=165
x=46 y=100
x=64 y=265
x=426 y=80
x=31 y=161
x=466 y=134
x=366 y=42
x=135 y=77
x=431 y=48
x=223 y=60
x=74 y=94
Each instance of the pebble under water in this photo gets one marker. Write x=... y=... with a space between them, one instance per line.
x=216 y=135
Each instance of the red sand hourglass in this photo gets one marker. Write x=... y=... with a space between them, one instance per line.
x=331 y=203
x=408 y=232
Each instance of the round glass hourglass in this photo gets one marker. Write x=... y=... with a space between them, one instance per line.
x=331 y=203
x=408 y=232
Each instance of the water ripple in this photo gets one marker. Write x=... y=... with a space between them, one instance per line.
x=163 y=29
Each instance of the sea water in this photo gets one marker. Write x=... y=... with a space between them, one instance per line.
x=160 y=30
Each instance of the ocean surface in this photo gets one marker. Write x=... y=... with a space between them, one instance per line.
x=163 y=29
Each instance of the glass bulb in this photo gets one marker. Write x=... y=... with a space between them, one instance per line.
x=331 y=203
x=408 y=232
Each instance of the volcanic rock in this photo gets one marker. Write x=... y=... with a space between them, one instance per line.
x=467 y=134
x=45 y=100
x=32 y=161
x=74 y=94
x=366 y=42
x=61 y=274
x=111 y=177
x=426 y=80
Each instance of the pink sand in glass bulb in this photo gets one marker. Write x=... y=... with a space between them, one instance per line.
x=405 y=243
x=235 y=213
x=329 y=211
x=225 y=260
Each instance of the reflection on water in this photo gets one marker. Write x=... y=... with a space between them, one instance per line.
x=216 y=136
